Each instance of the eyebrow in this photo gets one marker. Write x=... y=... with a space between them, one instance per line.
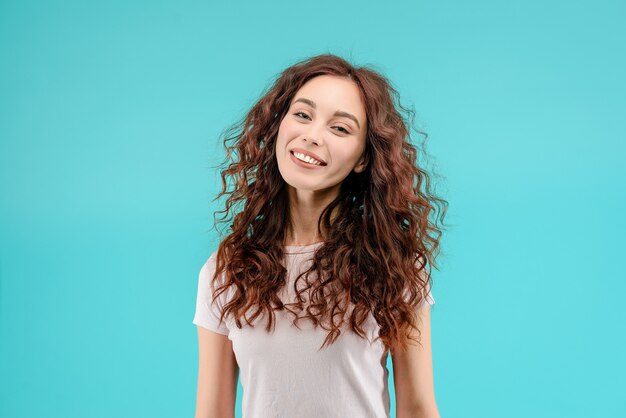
x=337 y=113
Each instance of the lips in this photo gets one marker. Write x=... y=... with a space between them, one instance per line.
x=309 y=153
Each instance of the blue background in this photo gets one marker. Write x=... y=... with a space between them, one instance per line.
x=110 y=116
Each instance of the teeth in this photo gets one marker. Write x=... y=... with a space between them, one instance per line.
x=306 y=158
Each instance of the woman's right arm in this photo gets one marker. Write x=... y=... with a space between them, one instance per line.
x=217 y=376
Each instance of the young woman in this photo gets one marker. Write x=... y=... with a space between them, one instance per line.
x=324 y=269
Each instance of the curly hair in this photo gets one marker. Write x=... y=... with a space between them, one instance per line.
x=376 y=251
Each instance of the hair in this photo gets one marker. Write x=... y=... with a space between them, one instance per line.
x=377 y=249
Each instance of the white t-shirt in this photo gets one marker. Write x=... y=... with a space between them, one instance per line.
x=283 y=374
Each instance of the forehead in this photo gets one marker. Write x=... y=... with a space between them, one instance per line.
x=331 y=93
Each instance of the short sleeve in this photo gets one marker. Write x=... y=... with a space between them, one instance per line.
x=208 y=314
x=427 y=301
x=430 y=300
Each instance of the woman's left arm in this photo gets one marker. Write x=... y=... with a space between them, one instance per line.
x=413 y=375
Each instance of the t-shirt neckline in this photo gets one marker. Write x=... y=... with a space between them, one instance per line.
x=300 y=249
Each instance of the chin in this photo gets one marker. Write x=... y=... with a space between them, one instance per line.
x=301 y=185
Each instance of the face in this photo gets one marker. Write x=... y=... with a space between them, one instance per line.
x=326 y=120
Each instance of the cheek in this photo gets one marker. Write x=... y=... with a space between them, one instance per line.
x=281 y=133
x=344 y=158
x=285 y=134
x=341 y=153
x=288 y=128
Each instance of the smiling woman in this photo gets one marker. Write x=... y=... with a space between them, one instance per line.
x=326 y=138
x=326 y=269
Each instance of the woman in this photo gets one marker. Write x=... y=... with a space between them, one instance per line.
x=323 y=271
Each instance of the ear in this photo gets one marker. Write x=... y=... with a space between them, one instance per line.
x=360 y=165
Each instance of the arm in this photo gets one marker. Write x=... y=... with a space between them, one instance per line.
x=217 y=376
x=413 y=375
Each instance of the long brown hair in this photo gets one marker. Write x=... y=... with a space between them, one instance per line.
x=377 y=249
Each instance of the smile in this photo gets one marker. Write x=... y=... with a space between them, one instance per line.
x=304 y=160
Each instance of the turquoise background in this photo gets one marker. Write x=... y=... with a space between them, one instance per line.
x=110 y=115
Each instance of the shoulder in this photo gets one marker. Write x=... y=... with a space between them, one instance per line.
x=207 y=271
x=209 y=280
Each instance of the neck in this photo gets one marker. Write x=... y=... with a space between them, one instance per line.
x=305 y=209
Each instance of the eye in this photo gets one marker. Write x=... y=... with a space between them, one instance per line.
x=340 y=128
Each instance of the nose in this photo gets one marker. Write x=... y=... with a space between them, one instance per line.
x=312 y=140
x=315 y=133
x=314 y=136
